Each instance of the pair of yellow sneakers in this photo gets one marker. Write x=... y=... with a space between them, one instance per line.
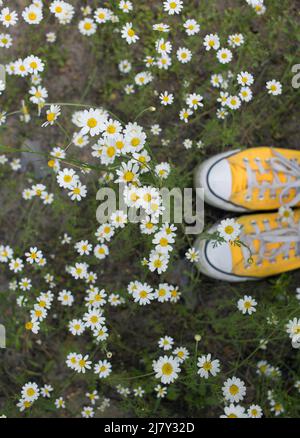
x=260 y=178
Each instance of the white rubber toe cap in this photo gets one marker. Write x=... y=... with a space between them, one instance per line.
x=219 y=179
x=216 y=261
x=214 y=175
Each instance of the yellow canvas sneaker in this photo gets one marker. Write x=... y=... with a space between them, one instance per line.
x=274 y=242
x=261 y=178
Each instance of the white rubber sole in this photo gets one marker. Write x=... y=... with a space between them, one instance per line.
x=201 y=181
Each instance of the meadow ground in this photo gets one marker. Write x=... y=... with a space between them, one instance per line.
x=103 y=70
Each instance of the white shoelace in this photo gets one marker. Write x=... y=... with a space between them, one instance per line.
x=287 y=236
x=278 y=164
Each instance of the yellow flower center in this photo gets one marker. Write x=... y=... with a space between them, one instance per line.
x=94 y=319
x=128 y=176
x=111 y=151
x=51 y=163
x=87 y=26
x=135 y=142
x=167 y=369
x=229 y=229
x=50 y=117
x=92 y=123
x=163 y=241
x=28 y=325
x=30 y=392
x=32 y=16
x=162 y=292
x=207 y=366
x=158 y=263
x=233 y=389
x=111 y=129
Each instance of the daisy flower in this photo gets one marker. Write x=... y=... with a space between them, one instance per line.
x=236 y=40
x=60 y=403
x=208 y=366
x=8 y=18
x=32 y=14
x=30 y=392
x=184 y=114
x=127 y=173
x=161 y=391
x=92 y=122
x=52 y=115
x=229 y=229
x=5 y=40
x=128 y=33
x=103 y=369
x=66 y=178
x=143 y=295
x=224 y=56
x=211 y=41
x=255 y=411
x=234 y=390
x=173 y=6
x=138 y=392
x=234 y=411
x=286 y=214
x=245 y=79
x=181 y=353
x=166 y=369
x=194 y=101
x=77 y=191
x=102 y=15
x=247 y=305
x=125 y=6
x=191 y=27
x=87 y=412
x=274 y=87
x=233 y=102
x=166 y=98
x=166 y=343
x=46 y=391
x=87 y=26
x=82 y=364
x=184 y=55
x=245 y=94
